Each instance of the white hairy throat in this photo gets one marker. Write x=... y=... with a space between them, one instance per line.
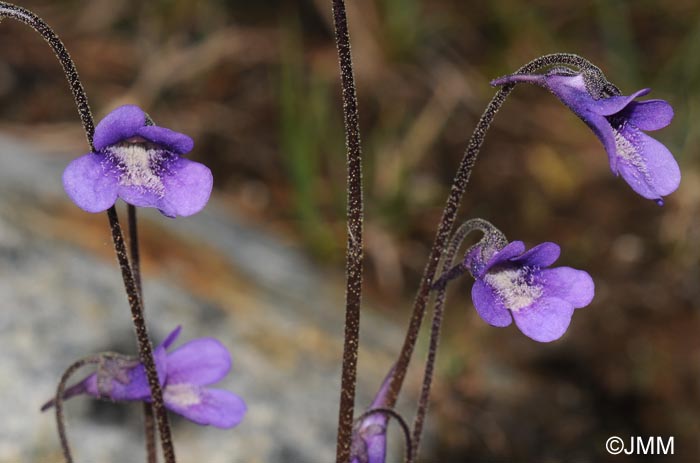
x=184 y=395
x=140 y=165
x=515 y=287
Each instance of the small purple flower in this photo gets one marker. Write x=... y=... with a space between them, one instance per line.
x=184 y=374
x=140 y=163
x=619 y=122
x=514 y=284
x=369 y=434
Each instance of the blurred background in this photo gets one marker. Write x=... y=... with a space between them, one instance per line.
x=256 y=85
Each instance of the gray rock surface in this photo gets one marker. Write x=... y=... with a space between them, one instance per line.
x=62 y=299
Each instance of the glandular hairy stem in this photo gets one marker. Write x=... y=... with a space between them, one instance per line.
x=493 y=238
x=149 y=422
x=143 y=340
x=354 y=255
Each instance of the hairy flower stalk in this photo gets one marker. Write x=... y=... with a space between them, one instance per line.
x=493 y=238
x=354 y=252
x=454 y=199
x=149 y=424
x=143 y=341
x=25 y=16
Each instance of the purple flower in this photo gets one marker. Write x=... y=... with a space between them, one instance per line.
x=369 y=434
x=514 y=284
x=619 y=122
x=140 y=163
x=184 y=374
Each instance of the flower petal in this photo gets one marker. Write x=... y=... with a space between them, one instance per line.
x=200 y=362
x=139 y=196
x=120 y=124
x=187 y=188
x=512 y=249
x=376 y=445
x=651 y=170
x=603 y=130
x=91 y=187
x=215 y=407
x=489 y=306
x=615 y=104
x=545 y=320
x=175 y=142
x=572 y=285
x=369 y=439
x=135 y=388
x=572 y=91
x=542 y=255
x=649 y=114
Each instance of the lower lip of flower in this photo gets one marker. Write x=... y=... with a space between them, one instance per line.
x=515 y=287
x=184 y=395
x=140 y=165
x=628 y=151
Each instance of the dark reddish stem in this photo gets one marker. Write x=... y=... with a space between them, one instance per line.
x=444 y=228
x=450 y=271
x=142 y=338
x=353 y=290
x=149 y=423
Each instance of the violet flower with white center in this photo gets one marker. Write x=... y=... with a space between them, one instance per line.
x=184 y=375
x=512 y=284
x=140 y=163
x=619 y=122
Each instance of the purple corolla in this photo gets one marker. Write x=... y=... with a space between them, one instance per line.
x=369 y=433
x=512 y=284
x=619 y=122
x=184 y=374
x=140 y=163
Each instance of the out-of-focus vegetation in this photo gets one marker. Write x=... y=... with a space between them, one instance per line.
x=255 y=83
